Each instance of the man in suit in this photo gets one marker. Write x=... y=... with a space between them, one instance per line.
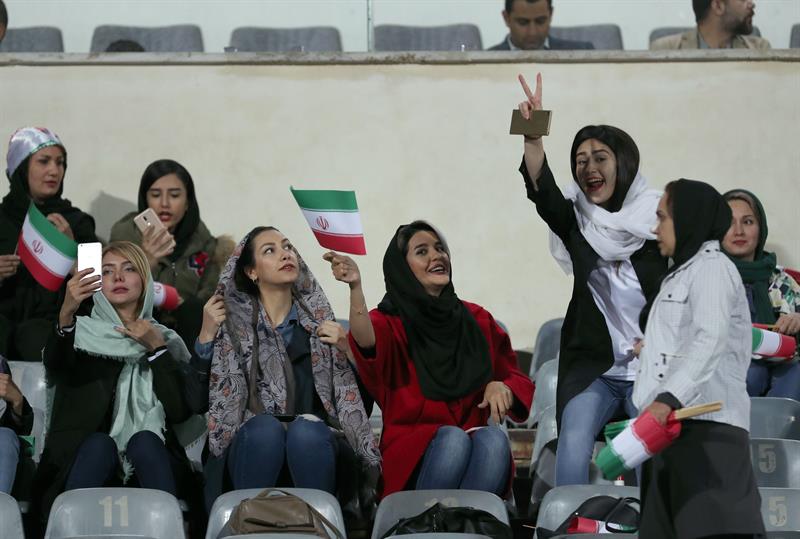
x=721 y=24
x=528 y=24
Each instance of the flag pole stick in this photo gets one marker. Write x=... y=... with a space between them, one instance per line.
x=700 y=409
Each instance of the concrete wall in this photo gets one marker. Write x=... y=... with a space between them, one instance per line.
x=218 y=18
x=414 y=141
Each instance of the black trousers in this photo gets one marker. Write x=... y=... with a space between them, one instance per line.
x=702 y=486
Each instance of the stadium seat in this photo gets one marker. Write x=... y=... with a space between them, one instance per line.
x=548 y=342
x=774 y=418
x=192 y=435
x=776 y=462
x=779 y=508
x=178 y=38
x=413 y=502
x=456 y=37
x=115 y=512
x=10 y=518
x=318 y=499
x=602 y=36
x=314 y=38
x=34 y=39
x=545 y=395
x=560 y=502
x=29 y=377
x=672 y=30
x=794 y=38
x=545 y=432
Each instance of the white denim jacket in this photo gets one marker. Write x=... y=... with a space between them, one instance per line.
x=698 y=339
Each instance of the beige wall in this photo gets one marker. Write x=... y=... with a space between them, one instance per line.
x=414 y=141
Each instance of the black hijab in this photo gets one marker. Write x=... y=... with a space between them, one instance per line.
x=191 y=219
x=448 y=349
x=699 y=213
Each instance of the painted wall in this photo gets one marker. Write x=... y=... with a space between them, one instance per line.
x=218 y=18
x=414 y=141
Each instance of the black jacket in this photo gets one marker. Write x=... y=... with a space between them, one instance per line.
x=586 y=350
x=555 y=44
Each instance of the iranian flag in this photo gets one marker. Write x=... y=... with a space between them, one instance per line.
x=334 y=219
x=47 y=253
x=165 y=296
x=590 y=525
x=772 y=345
x=640 y=440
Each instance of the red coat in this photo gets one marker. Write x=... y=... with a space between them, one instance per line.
x=410 y=420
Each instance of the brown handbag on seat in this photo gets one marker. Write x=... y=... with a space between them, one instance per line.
x=287 y=513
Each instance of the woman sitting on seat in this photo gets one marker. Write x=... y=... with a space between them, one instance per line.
x=281 y=387
x=117 y=386
x=438 y=367
x=773 y=295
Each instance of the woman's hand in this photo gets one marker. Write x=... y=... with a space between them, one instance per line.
x=61 y=224
x=788 y=324
x=534 y=99
x=659 y=411
x=344 y=268
x=157 y=244
x=8 y=266
x=213 y=317
x=10 y=393
x=143 y=332
x=78 y=290
x=333 y=333
x=638 y=344
x=534 y=148
x=499 y=398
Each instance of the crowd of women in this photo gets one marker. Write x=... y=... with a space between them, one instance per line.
x=287 y=390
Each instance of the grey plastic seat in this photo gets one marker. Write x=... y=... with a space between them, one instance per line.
x=602 y=36
x=29 y=377
x=779 y=509
x=115 y=512
x=548 y=343
x=546 y=431
x=455 y=37
x=178 y=38
x=774 y=418
x=192 y=435
x=545 y=395
x=10 y=517
x=794 y=37
x=318 y=499
x=33 y=39
x=413 y=502
x=313 y=38
x=672 y=30
x=560 y=502
x=776 y=462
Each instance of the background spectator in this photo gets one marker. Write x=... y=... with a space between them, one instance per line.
x=528 y=24
x=16 y=418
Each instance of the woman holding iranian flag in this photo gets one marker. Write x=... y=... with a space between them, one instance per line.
x=697 y=349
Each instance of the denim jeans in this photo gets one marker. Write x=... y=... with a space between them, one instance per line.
x=583 y=418
x=478 y=461
x=9 y=457
x=765 y=379
x=97 y=462
x=262 y=445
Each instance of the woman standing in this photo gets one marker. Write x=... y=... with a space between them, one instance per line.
x=36 y=165
x=698 y=342
x=438 y=367
x=601 y=231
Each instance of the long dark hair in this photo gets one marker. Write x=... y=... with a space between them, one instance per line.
x=625 y=151
x=159 y=169
x=407 y=232
x=246 y=260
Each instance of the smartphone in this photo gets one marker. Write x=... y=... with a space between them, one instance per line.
x=537 y=126
x=90 y=255
x=148 y=218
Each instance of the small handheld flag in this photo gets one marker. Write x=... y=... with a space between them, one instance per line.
x=47 y=253
x=334 y=219
x=589 y=525
x=771 y=345
x=165 y=296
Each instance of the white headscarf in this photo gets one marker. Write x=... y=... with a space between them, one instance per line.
x=613 y=235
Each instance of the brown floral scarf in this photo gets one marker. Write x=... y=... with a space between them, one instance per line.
x=334 y=379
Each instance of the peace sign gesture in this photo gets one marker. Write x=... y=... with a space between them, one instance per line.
x=534 y=101
x=534 y=149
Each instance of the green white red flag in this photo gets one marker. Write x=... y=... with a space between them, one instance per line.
x=772 y=345
x=589 y=525
x=47 y=253
x=334 y=219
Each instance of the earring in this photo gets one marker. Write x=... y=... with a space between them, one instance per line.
x=255 y=280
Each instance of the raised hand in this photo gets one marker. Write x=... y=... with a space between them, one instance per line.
x=8 y=266
x=78 y=290
x=534 y=99
x=143 y=332
x=499 y=398
x=344 y=268
x=157 y=244
x=333 y=333
x=213 y=317
x=61 y=224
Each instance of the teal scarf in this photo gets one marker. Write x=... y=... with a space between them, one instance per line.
x=136 y=407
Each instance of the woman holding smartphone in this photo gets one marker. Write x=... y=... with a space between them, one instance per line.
x=117 y=386
x=180 y=250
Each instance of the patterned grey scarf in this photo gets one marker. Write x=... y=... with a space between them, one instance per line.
x=230 y=405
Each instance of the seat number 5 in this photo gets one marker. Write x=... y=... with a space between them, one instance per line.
x=777 y=511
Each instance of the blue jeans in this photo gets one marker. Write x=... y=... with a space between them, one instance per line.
x=97 y=462
x=478 y=461
x=258 y=452
x=765 y=379
x=583 y=418
x=9 y=457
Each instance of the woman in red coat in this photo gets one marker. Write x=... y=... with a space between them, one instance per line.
x=439 y=368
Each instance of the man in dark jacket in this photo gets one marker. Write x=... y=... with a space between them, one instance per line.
x=528 y=24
